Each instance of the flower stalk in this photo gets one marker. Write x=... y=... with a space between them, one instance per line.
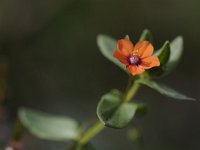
x=131 y=92
x=91 y=132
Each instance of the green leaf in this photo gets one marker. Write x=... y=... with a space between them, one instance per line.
x=164 y=90
x=113 y=113
x=176 y=52
x=169 y=56
x=146 y=36
x=107 y=46
x=163 y=54
x=49 y=127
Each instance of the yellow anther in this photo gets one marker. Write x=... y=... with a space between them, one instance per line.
x=135 y=51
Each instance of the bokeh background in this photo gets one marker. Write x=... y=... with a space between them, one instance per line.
x=50 y=62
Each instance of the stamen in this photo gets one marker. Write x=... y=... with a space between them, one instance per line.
x=135 y=51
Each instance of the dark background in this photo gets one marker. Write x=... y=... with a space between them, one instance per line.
x=55 y=65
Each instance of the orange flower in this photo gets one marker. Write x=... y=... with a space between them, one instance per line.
x=136 y=58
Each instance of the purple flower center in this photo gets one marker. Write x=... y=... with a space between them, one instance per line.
x=134 y=60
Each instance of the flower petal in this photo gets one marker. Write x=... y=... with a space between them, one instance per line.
x=150 y=62
x=135 y=69
x=125 y=46
x=120 y=57
x=145 y=49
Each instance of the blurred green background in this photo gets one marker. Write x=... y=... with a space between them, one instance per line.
x=55 y=65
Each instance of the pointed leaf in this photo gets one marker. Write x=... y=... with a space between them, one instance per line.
x=49 y=127
x=113 y=113
x=146 y=36
x=107 y=46
x=164 y=90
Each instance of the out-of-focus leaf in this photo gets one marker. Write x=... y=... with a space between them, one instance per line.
x=135 y=135
x=113 y=113
x=49 y=127
x=176 y=52
x=107 y=46
x=164 y=90
x=146 y=36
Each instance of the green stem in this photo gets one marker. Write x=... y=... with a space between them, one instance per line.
x=131 y=92
x=129 y=84
x=85 y=138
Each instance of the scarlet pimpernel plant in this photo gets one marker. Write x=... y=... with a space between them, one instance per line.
x=116 y=109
